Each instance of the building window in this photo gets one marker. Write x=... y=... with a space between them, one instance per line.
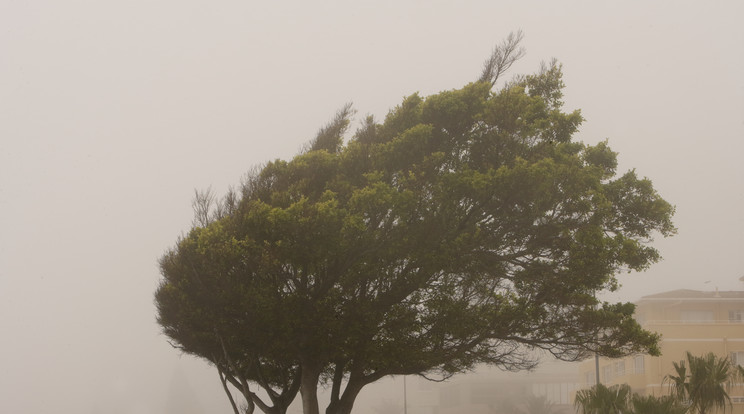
x=736 y=316
x=737 y=358
x=619 y=368
x=696 y=316
x=607 y=373
x=638 y=366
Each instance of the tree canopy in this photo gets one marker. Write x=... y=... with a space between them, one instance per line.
x=467 y=227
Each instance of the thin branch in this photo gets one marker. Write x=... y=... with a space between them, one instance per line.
x=502 y=57
x=243 y=383
x=223 y=380
x=202 y=204
x=330 y=137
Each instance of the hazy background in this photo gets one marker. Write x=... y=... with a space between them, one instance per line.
x=112 y=112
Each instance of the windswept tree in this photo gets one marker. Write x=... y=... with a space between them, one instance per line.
x=466 y=228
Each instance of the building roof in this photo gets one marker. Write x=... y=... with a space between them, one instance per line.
x=695 y=294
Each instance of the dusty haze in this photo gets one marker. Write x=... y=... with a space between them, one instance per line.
x=111 y=113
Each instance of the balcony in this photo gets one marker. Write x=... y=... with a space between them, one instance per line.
x=696 y=329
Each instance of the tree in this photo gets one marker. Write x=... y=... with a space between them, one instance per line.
x=703 y=382
x=465 y=228
x=601 y=399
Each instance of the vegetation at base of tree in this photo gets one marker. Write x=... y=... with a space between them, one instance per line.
x=650 y=404
x=520 y=403
x=696 y=387
x=537 y=405
x=619 y=399
x=466 y=228
x=601 y=399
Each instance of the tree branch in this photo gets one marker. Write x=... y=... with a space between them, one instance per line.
x=502 y=57
x=223 y=380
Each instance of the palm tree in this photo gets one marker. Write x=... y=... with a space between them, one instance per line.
x=601 y=399
x=656 y=405
x=679 y=384
x=703 y=386
x=537 y=405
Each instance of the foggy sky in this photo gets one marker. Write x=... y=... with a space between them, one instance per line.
x=113 y=112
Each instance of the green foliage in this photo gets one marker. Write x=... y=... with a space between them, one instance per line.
x=330 y=137
x=466 y=228
x=618 y=399
x=656 y=405
x=703 y=382
x=601 y=399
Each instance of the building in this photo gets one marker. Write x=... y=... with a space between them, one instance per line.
x=688 y=320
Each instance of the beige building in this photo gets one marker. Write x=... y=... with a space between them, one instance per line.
x=688 y=320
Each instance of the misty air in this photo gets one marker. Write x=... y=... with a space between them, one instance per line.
x=404 y=208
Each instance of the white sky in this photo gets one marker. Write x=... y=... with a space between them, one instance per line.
x=112 y=112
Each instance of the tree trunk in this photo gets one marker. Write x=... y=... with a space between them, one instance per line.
x=309 y=389
x=346 y=402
